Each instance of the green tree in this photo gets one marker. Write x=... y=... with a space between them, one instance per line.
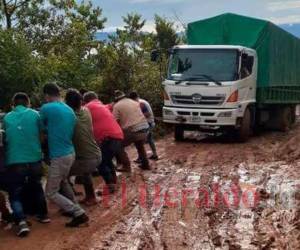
x=10 y=8
x=18 y=67
x=124 y=63
x=166 y=35
x=60 y=33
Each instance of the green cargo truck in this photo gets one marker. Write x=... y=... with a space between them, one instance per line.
x=235 y=74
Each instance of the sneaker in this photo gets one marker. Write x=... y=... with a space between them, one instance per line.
x=44 y=219
x=78 y=220
x=23 y=229
x=153 y=157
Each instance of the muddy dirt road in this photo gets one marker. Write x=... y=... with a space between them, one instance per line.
x=204 y=193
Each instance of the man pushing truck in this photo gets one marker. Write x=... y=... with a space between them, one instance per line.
x=236 y=74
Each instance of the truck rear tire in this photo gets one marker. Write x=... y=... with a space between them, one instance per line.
x=285 y=119
x=293 y=115
x=244 y=131
x=179 y=133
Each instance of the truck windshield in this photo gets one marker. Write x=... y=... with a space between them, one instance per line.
x=202 y=64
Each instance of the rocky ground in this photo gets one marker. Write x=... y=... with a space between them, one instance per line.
x=204 y=193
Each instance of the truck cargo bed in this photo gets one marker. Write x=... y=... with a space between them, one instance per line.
x=278 y=79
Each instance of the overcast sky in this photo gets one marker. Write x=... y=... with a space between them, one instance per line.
x=278 y=11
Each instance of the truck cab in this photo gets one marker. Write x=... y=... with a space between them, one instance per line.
x=210 y=88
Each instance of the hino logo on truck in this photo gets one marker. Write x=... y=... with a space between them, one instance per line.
x=196 y=98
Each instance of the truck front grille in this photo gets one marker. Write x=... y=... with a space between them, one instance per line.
x=197 y=99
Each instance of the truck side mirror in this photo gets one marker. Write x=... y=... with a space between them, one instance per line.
x=154 y=55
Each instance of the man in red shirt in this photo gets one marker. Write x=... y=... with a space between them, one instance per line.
x=108 y=135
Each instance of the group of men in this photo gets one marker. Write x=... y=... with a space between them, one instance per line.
x=79 y=136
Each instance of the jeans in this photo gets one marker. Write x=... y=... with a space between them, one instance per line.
x=150 y=140
x=26 y=176
x=110 y=148
x=58 y=181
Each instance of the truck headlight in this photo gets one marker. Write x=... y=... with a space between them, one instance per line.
x=225 y=114
x=168 y=112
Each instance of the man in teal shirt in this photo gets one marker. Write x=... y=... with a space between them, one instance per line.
x=59 y=121
x=23 y=160
x=22 y=129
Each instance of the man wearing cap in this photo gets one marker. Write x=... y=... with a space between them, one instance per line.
x=134 y=124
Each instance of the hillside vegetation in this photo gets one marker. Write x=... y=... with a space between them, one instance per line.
x=43 y=41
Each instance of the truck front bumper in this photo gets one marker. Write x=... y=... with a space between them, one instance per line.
x=208 y=118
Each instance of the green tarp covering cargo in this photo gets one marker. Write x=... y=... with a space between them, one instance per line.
x=278 y=51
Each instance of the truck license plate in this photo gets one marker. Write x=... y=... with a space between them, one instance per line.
x=195 y=119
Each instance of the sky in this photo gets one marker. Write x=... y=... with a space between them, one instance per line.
x=185 y=11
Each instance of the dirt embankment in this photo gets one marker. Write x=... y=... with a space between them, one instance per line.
x=203 y=193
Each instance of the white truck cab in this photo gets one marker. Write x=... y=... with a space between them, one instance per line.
x=210 y=88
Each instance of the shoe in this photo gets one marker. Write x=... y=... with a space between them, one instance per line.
x=153 y=157
x=23 y=229
x=44 y=219
x=78 y=220
x=144 y=167
x=138 y=161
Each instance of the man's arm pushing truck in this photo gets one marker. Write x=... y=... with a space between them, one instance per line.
x=235 y=74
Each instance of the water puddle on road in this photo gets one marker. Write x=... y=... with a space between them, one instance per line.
x=277 y=192
x=246 y=223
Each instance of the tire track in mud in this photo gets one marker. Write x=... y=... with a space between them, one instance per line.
x=140 y=227
x=189 y=227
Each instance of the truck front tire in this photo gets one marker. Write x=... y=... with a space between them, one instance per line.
x=244 y=131
x=179 y=133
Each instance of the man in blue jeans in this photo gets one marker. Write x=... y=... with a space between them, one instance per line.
x=59 y=121
x=23 y=160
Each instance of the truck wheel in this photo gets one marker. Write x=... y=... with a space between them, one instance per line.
x=285 y=119
x=244 y=131
x=179 y=133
